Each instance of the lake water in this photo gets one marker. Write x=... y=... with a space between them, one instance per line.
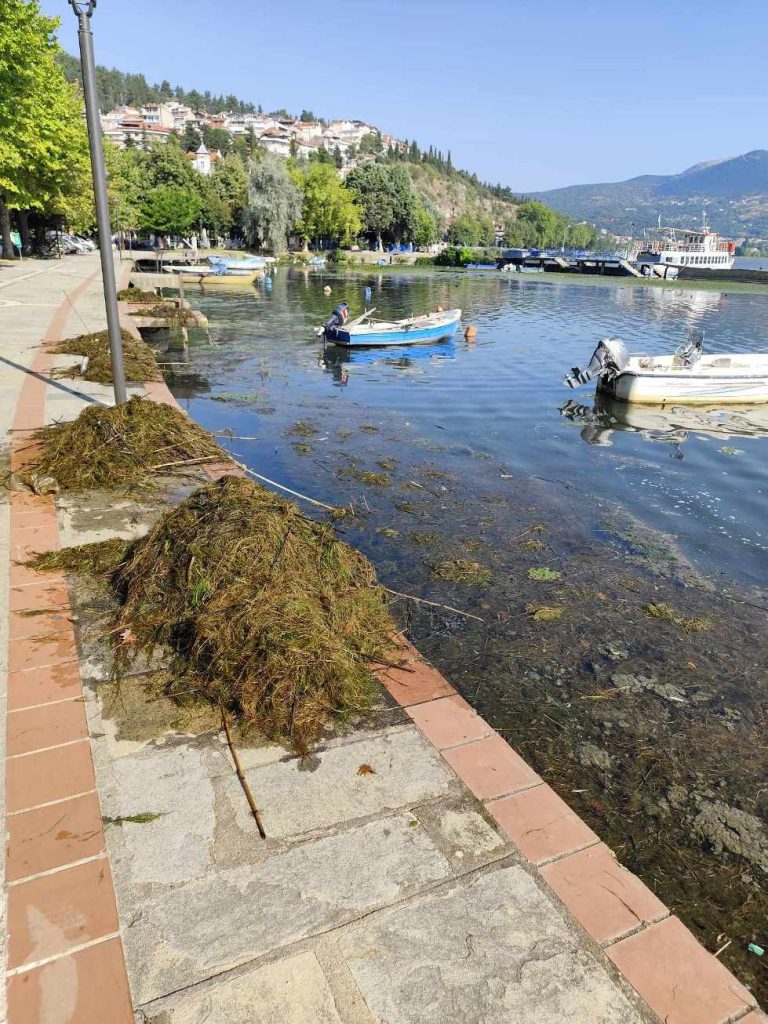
x=635 y=687
x=698 y=474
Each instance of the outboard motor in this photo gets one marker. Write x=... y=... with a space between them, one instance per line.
x=691 y=351
x=338 y=317
x=608 y=360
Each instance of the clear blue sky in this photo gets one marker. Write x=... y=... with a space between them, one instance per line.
x=532 y=93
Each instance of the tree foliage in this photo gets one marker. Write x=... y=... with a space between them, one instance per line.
x=116 y=88
x=170 y=210
x=328 y=210
x=43 y=142
x=274 y=203
x=388 y=202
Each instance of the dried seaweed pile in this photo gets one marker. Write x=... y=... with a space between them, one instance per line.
x=138 y=358
x=122 y=446
x=265 y=610
x=137 y=295
x=174 y=315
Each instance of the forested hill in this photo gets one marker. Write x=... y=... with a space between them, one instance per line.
x=734 y=193
x=460 y=205
x=118 y=88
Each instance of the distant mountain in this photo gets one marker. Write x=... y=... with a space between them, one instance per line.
x=734 y=193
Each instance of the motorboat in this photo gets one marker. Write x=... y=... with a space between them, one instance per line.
x=367 y=331
x=686 y=377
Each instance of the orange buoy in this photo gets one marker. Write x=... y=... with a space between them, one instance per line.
x=438 y=309
x=470 y=331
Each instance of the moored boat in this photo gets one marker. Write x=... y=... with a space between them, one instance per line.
x=231 y=277
x=190 y=272
x=687 y=377
x=366 y=331
x=240 y=263
x=199 y=273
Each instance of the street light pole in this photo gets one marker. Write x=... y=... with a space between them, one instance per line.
x=84 y=10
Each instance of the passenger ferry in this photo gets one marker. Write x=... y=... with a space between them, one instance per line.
x=682 y=247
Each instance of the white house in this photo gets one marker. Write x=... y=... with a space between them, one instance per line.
x=202 y=160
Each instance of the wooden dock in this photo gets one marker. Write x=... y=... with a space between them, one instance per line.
x=608 y=264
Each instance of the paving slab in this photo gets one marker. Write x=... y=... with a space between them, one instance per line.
x=354 y=780
x=231 y=917
x=292 y=991
x=493 y=951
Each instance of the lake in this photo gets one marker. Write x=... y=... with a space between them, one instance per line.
x=698 y=474
x=591 y=578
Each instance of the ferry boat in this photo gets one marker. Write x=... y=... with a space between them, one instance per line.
x=674 y=248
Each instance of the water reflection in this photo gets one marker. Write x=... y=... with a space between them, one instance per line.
x=341 y=362
x=670 y=425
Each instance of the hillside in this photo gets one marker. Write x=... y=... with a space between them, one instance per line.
x=734 y=193
x=453 y=193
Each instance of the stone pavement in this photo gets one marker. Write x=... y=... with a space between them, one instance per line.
x=415 y=868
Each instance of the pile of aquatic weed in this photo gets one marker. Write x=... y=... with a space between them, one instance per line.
x=121 y=446
x=137 y=295
x=264 y=610
x=175 y=316
x=138 y=358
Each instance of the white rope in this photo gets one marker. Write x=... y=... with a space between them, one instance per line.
x=282 y=487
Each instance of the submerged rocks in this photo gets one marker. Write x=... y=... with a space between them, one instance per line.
x=726 y=828
x=649 y=684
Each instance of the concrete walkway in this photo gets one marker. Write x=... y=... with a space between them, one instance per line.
x=415 y=868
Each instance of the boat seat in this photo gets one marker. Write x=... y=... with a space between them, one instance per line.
x=721 y=361
x=646 y=362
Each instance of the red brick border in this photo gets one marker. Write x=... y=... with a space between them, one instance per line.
x=675 y=975
x=64 y=953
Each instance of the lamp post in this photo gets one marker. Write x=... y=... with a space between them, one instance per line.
x=83 y=11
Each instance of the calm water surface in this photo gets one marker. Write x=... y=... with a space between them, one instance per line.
x=699 y=475
x=652 y=729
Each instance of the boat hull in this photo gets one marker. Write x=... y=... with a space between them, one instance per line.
x=229 y=278
x=687 y=388
x=365 y=337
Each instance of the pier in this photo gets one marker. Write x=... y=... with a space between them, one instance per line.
x=607 y=263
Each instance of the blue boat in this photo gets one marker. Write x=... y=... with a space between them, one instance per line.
x=238 y=262
x=365 y=331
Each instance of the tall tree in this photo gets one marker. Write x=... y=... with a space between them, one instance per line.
x=191 y=138
x=371 y=185
x=230 y=182
x=170 y=210
x=274 y=203
x=328 y=209
x=43 y=144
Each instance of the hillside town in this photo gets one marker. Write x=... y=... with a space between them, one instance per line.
x=276 y=133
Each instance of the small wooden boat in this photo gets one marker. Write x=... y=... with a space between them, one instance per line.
x=191 y=273
x=198 y=273
x=365 y=331
x=231 y=277
x=688 y=377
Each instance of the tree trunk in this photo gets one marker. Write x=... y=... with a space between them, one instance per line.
x=5 y=230
x=26 y=241
x=381 y=244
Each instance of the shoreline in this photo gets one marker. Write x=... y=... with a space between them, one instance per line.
x=431 y=517
x=649 y=950
x=550 y=277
